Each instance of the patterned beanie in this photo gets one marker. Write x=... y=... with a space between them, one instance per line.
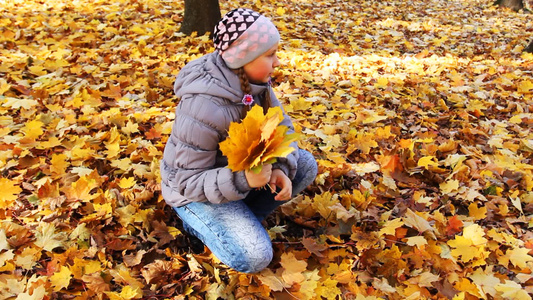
x=243 y=35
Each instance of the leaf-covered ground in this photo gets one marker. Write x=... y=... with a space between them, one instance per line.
x=419 y=113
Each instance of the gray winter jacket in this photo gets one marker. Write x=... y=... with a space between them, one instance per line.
x=193 y=168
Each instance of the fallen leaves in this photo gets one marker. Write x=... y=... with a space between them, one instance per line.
x=419 y=116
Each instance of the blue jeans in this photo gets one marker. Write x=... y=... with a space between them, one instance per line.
x=233 y=231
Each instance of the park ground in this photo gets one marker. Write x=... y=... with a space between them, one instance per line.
x=419 y=114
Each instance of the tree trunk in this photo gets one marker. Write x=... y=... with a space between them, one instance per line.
x=515 y=5
x=529 y=48
x=201 y=16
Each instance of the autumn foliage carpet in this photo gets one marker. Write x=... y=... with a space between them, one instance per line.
x=419 y=113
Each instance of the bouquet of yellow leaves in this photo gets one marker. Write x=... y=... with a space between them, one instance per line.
x=257 y=140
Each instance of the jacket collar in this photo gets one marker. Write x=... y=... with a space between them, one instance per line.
x=209 y=75
x=234 y=81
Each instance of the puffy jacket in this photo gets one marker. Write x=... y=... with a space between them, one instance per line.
x=193 y=168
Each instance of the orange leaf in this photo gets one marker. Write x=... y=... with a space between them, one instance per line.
x=114 y=91
x=454 y=225
x=153 y=134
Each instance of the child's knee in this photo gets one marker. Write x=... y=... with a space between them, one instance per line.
x=308 y=162
x=251 y=261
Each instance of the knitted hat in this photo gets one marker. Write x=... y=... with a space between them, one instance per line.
x=243 y=35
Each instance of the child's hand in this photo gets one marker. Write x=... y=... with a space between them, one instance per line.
x=279 y=179
x=256 y=180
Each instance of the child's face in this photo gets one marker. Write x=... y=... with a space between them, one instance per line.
x=260 y=69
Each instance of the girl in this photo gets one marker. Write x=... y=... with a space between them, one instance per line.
x=224 y=209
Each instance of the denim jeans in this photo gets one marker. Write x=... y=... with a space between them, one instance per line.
x=233 y=231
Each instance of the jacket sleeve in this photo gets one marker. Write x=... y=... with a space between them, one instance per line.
x=191 y=153
x=287 y=164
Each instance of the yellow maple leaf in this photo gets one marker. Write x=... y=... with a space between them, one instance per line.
x=130 y=128
x=384 y=132
x=6 y=261
x=37 y=70
x=126 y=182
x=476 y=234
x=512 y=290
x=449 y=186
x=101 y=211
x=257 y=139
x=28 y=258
x=82 y=189
x=478 y=213
x=123 y=164
x=427 y=161
x=466 y=286
x=113 y=149
x=293 y=268
x=471 y=245
x=307 y=288
x=81 y=152
x=8 y=192
x=485 y=280
x=126 y=214
x=268 y=278
x=360 y=141
x=61 y=279
x=127 y=293
x=47 y=238
x=33 y=129
x=418 y=241
x=382 y=82
x=83 y=266
x=323 y=203
x=328 y=289
x=16 y=103
x=4 y=86
x=525 y=86
x=390 y=227
x=122 y=274
x=519 y=257
x=59 y=164
x=462 y=247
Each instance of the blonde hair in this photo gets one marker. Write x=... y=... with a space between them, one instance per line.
x=266 y=102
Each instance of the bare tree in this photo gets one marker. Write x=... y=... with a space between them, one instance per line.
x=201 y=16
x=529 y=48
x=515 y=5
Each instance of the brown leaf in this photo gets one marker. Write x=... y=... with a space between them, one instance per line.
x=95 y=283
x=157 y=271
x=312 y=246
x=134 y=259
